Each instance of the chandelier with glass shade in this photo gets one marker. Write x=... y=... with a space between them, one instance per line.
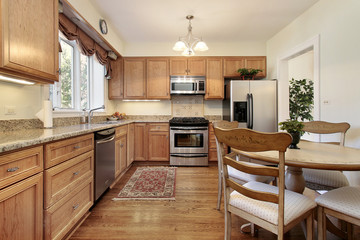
x=189 y=44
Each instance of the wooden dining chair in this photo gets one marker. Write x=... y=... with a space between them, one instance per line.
x=342 y=203
x=325 y=179
x=269 y=207
x=237 y=176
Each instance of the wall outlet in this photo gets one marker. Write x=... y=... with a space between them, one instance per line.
x=10 y=110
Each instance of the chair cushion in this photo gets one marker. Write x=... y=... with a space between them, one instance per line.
x=295 y=204
x=324 y=179
x=241 y=177
x=345 y=200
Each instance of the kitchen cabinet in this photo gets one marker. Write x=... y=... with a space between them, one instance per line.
x=214 y=79
x=29 y=40
x=212 y=144
x=134 y=78
x=232 y=64
x=116 y=83
x=131 y=142
x=188 y=66
x=157 y=78
x=68 y=185
x=140 y=153
x=152 y=142
x=158 y=134
x=21 y=194
x=121 y=139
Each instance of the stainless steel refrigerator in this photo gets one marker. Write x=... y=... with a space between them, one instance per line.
x=252 y=103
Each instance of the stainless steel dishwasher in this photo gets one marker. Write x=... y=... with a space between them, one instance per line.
x=104 y=161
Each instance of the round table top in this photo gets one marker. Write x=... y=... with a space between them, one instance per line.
x=319 y=156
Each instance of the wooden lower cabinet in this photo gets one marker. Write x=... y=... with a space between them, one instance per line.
x=151 y=142
x=21 y=215
x=130 y=145
x=121 y=149
x=63 y=215
x=212 y=144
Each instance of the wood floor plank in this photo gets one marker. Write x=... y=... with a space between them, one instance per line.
x=192 y=216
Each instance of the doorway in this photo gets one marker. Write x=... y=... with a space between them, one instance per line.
x=295 y=64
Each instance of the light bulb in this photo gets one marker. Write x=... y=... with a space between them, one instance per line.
x=188 y=52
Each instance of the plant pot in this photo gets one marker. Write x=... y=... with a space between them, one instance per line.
x=247 y=77
x=295 y=140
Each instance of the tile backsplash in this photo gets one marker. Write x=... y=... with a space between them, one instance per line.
x=187 y=106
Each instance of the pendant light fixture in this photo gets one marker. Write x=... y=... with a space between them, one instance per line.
x=188 y=44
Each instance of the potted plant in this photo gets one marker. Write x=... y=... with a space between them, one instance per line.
x=248 y=73
x=301 y=103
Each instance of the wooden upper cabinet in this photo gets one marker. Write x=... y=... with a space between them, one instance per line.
x=214 y=79
x=116 y=83
x=29 y=40
x=188 y=66
x=231 y=65
x=256 y=63
x=158 y=82
x=135 y=78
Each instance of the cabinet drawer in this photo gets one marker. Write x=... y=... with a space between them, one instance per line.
x=63 y=150
x=65 y=177
x=158 y=126
x=20 y=165
x=64 y=214
x=121 y=131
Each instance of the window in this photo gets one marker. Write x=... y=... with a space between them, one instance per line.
x=81 y=80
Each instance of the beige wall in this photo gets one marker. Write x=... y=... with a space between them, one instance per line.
x=335 y=22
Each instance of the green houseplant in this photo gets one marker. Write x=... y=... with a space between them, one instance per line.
x=248 y=73
x=301 y=103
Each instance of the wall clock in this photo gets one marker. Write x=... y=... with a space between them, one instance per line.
x=103 y=26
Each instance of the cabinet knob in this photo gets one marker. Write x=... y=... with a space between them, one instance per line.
x=76 y=173
x=75 y=206
x=121 y=145
x=76 y=147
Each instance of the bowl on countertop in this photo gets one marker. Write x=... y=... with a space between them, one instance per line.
x=112 y=118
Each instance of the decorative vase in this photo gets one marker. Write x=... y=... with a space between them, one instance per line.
x=295 y=140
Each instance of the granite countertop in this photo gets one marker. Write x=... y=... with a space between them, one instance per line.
x=11 y=140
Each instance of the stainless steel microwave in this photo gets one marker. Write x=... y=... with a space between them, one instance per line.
x=187 y=84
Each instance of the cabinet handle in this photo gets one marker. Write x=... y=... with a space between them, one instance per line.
x=121 y=145
x=76 y=147
x=76 y=173
x=12 y=169
x=75 y=206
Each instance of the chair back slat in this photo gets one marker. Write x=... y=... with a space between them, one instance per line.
x=252 y=169
x=252 y=141
x=226 y=124
x=322 y=127
x=258 y=195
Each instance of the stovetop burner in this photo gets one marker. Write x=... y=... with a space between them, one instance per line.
x=188 y=121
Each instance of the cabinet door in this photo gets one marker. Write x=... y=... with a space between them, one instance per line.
x=256 y=63
x=158 y=82
x=120 y=154
x=130 y=145
x=116 y=83
x=214 y=79
x=197 y=67
x=21 y=210
x=29 y=39
x=231 y=65
x=140 y=146
x=158 y=141
x=178 y=66
x=134 y=78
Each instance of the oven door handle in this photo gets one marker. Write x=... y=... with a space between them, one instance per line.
x=188 y=156
x=179 y=128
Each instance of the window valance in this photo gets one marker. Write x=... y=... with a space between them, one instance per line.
x=86 y=44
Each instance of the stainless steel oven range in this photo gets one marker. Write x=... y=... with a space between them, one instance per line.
x=189 y=141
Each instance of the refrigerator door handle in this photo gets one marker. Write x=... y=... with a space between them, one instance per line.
x=251 y=111
x=248 y=110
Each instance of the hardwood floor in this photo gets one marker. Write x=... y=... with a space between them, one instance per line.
x=192 y=216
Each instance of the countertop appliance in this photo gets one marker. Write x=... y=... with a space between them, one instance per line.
x=252 y=103
x=104 y=161
x=187 y=84
x=189 y=141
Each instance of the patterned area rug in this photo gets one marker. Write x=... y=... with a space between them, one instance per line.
x=150 y=183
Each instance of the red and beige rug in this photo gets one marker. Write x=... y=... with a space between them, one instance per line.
x=150 y=183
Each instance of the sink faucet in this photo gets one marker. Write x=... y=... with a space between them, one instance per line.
x=91 y=112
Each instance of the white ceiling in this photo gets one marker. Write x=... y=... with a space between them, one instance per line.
x=214 y=20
